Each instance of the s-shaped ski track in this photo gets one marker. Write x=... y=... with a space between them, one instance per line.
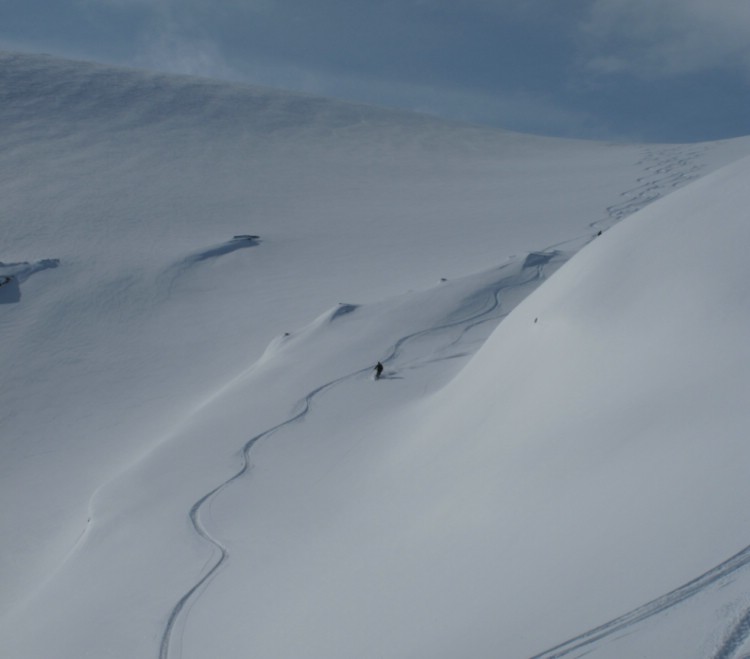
x=196 y=521
x=532 y=269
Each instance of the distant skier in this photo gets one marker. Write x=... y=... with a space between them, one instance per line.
x=378 y=370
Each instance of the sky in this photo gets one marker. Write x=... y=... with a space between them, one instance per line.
x=632 y=70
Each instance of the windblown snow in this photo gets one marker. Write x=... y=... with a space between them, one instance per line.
x=196 y=281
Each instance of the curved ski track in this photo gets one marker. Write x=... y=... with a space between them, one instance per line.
x=200 y=529
x=531 y=269
x=668 y=168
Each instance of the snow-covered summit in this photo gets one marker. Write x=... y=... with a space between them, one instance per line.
x=184 y=448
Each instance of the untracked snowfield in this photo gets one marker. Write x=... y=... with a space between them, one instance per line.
x=196 y=281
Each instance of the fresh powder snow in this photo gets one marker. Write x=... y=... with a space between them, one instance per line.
x=196 y=282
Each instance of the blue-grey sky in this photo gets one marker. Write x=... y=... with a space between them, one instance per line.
x=658 y=70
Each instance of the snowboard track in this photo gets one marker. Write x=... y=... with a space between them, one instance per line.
x=532 y=269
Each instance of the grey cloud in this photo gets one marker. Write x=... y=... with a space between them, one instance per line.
x=169 y=51
x=662 y=38
x=658 y=69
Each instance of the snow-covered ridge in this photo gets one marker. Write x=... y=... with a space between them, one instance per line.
x=159 y=350
x=623 y=381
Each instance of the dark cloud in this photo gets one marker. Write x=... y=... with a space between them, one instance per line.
x=663 y=38
x=662 y=70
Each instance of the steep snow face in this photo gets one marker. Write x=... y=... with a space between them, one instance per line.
x=597 y=442
x=164 y=239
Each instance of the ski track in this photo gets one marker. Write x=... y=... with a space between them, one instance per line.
x=200 y=529
x=671 y=168
x=532 y=269
x=737 y=636
x=666 y=169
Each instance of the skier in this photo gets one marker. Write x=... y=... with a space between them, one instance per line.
x=378 y=370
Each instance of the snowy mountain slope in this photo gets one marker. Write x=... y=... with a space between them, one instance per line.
x=133 y=324
x=570 y=472
x=622 y=423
